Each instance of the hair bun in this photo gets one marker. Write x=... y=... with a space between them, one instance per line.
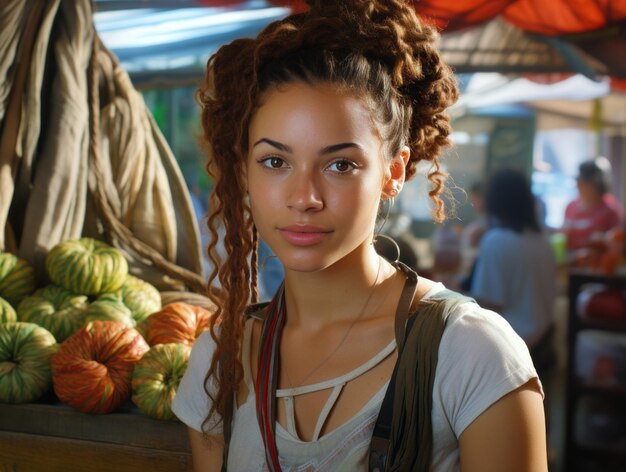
x=388 y=31
x=326 y=5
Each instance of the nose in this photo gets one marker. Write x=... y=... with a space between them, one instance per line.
x=304 y=193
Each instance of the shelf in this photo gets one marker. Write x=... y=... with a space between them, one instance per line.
x=586 y=276
x=592 y=451
x=590 y=388
x=604 y=443
x=586 y=459
x=601 y=325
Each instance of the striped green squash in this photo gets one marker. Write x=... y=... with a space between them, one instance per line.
x=87 y=266
x=59 y=311
x=141 y=297
x=7 y=312
x=25 y=371
x=109 y=307
x=156 y=378
x=17 y=278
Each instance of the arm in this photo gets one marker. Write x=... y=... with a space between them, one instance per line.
x=510 y=435
x=207 y=454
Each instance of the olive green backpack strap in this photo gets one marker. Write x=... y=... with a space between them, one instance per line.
x=402 y=439
x=256 y=311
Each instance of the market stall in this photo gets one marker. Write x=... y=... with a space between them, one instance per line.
x=101 y=284
x=83 y=162
x=56 y=437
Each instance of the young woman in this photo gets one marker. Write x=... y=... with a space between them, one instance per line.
x=311 y=127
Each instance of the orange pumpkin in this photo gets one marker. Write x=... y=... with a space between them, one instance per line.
x=93 y=369
x=177 y=322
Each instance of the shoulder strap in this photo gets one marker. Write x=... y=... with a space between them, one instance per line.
x=404 y=304
x=382 y=429
x=404 y=421
x=256 y=311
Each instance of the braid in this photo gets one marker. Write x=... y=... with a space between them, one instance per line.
x=254 y=265
x=234 y=277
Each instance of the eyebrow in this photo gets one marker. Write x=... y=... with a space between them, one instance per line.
x=338 y=147
x=276 y=144
x=327 y=150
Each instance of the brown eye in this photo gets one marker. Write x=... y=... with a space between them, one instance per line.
x=272 y=162
x=342 y=166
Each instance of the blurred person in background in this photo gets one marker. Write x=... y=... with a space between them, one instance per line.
x=515 y=272
x=595 y=211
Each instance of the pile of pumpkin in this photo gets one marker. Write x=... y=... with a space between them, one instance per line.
x=97 y=334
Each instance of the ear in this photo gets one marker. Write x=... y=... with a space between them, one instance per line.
x=396 y=173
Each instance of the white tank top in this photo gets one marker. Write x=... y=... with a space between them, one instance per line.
x=288 y=395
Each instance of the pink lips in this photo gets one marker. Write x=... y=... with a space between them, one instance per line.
x=303 y=235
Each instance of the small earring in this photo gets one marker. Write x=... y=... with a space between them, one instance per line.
x=393 y=192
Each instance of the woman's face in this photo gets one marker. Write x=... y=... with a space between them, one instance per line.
x=588 y=192
x=315 y=173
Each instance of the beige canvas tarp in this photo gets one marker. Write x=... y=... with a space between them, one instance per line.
x=80 y=154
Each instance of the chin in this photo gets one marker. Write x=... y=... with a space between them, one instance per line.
x=306 y=266
x=309 y=263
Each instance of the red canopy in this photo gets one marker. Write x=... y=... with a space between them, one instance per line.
x=595 y=27
x=551 y=18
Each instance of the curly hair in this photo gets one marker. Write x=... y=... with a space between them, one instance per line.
x=376 y=49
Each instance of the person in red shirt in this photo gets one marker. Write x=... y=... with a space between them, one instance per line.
x=596 y=210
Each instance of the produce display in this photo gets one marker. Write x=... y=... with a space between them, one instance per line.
x=17 y=278
x=93 y=369
x=7 y=313
x=142 y=298
x=110 y=307
x=178 y=322
x=25 y=352
x=156 y=378
x=86 y=334
x=87 y=266
x=59 y=311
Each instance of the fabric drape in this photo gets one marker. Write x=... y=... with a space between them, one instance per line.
x=50 y=185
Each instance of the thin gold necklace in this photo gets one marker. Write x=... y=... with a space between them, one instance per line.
x=343 y=339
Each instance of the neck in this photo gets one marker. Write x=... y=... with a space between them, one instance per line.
x=336 y=293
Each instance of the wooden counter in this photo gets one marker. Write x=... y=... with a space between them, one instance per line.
x=55 y=437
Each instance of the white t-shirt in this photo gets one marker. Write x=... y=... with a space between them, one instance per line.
x=481 y=359
x=517 y=271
